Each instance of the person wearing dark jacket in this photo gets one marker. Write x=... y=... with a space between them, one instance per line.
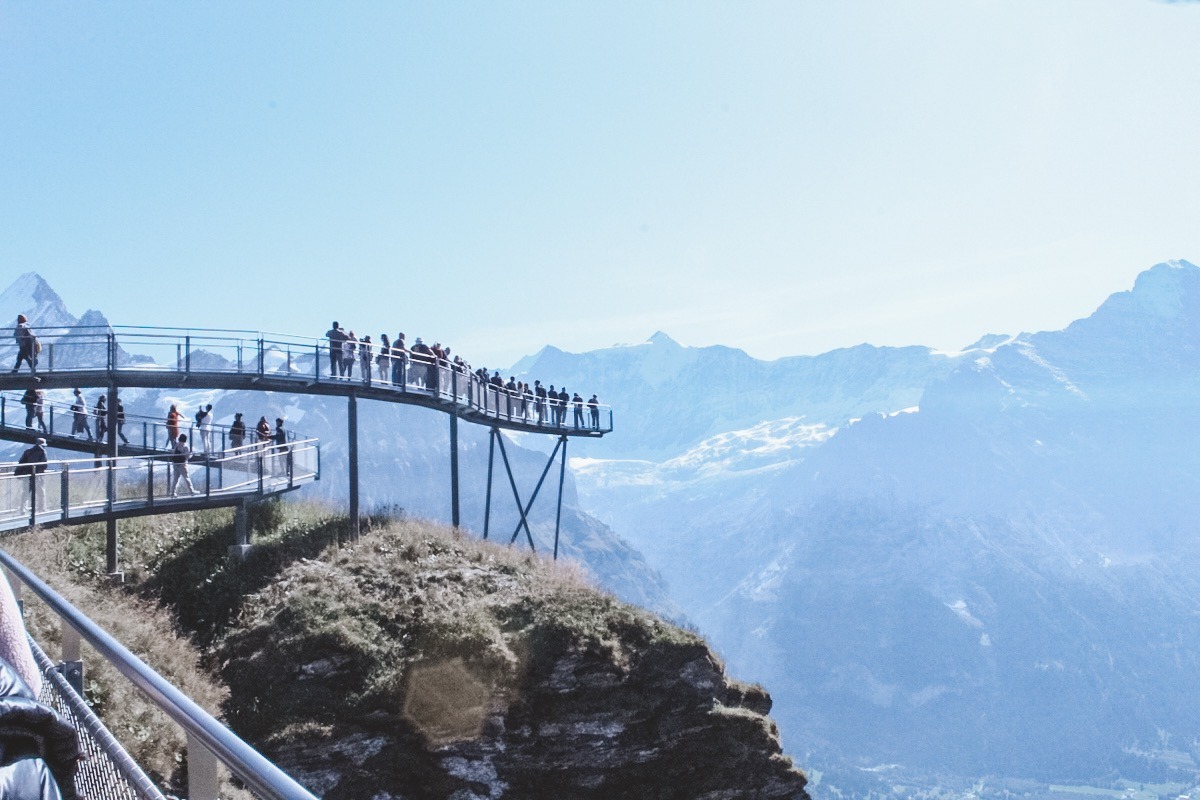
x=577 y=402
x=237 y=431
x=280 y=441
x=594 y=408
x=337 y=338
x=39 y=749
x=563 y=399
x=27 y=344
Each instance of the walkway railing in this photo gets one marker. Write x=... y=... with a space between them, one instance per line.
x=143 y=432
x=308 y=361
x=78 y=489
x=209 y=742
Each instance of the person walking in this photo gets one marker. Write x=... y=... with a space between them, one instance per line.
x=237 y=432
x=179 y=463
x=33 y=464
x=280 y=446
x=101 y=417
x=28 y=345
x=30 y=400
x=79 y=416
x=336 y=338
x=121 y=421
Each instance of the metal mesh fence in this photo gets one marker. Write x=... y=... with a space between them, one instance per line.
x=107 y=772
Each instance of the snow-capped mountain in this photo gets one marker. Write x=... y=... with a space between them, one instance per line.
x=981 y=563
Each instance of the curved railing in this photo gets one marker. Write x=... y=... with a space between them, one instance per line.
x=78 y=490
x=294 y=363
x=143 y=432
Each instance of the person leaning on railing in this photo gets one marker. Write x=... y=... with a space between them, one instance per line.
x=336 y=337
x=237 y=432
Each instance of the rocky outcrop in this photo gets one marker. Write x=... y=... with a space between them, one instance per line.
x=443 y=668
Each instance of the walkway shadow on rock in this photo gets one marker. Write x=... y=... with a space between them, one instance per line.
x=205 y=586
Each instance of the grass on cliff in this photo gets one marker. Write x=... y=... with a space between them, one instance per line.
x=361 y=616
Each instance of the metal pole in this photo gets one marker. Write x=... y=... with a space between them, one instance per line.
x=562 y=476
x=112 y=542
x=487 y=503
x=64 y=489
x=454 y=469
x=352 y=435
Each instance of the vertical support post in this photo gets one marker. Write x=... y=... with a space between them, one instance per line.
x=72 y=657
x=50 y=357
x=562 y=476
x=241 y=532
x=64 y=490
x=487 y=503
x=454 y=469
x=352 y=437
x=112 y=543
x=203 y=783
x=150 y=482
x=187 y=354
x=34 y=496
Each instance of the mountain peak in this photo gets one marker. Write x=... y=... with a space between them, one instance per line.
x=661 y=338
x=31 y=295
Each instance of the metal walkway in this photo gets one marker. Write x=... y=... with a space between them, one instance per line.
x=171 y=358
x=70 y=492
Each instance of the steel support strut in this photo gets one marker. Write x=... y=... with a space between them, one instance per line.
x=487 y=502
x=112 y=541
x=516 y=495
x=562 y=476
x=454 y=469
x=536 y=489
x=352 y=434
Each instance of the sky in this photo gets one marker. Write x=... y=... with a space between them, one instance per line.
x=787 y=178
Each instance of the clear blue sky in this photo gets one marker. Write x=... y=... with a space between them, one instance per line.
x=783 y=177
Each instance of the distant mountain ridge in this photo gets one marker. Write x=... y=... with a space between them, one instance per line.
x=995 y=548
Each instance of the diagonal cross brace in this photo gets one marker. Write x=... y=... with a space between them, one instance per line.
x=516 y=495
x=536 y=489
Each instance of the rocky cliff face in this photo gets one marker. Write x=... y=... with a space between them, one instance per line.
x=421 y=665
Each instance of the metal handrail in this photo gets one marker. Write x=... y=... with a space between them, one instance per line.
x=303 y=359
x=250 y=766
x=188 y=425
